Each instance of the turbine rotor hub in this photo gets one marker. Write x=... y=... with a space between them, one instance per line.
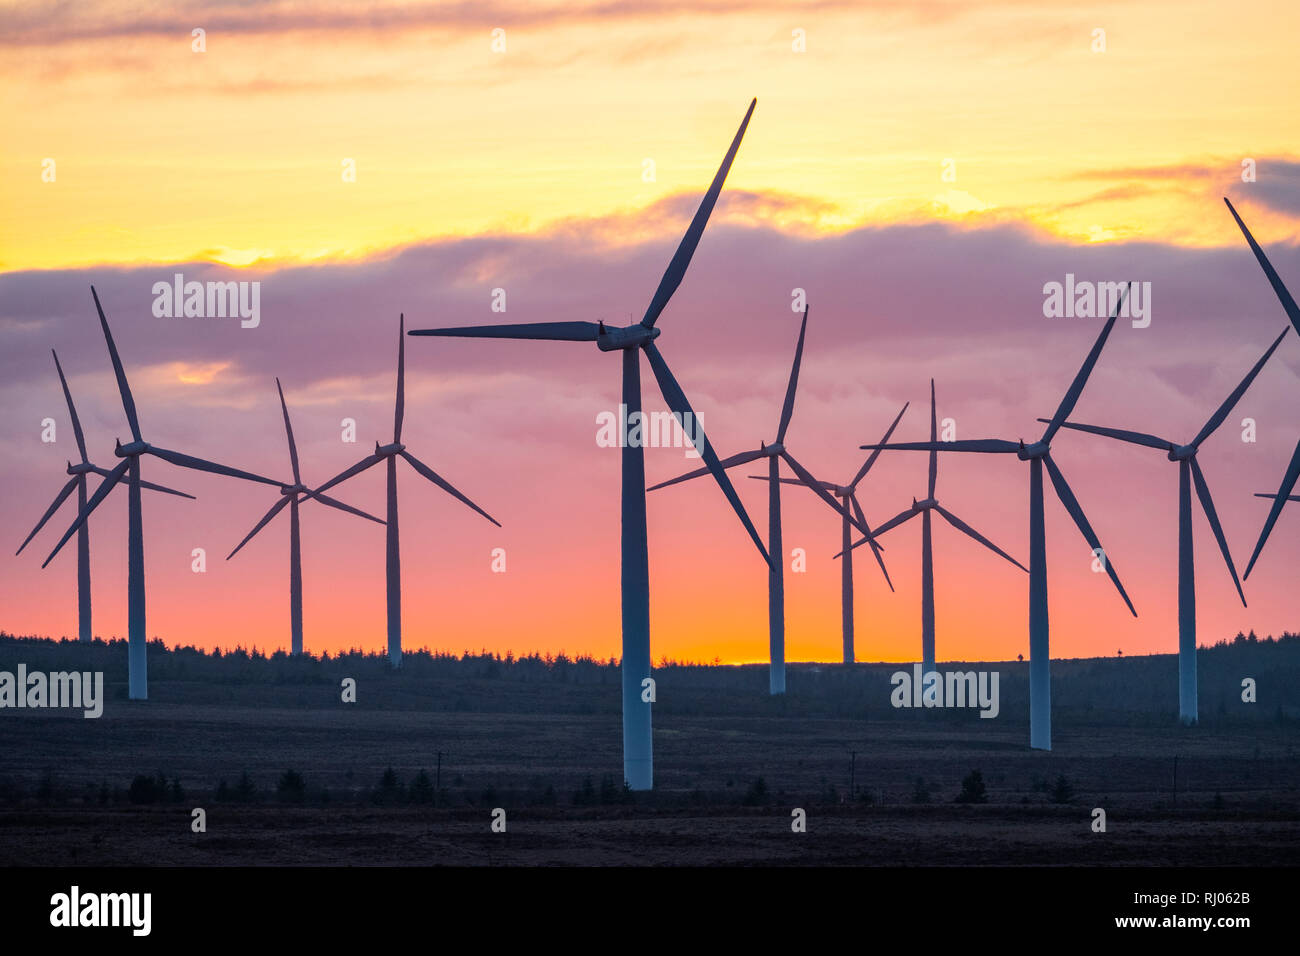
x=925 y=505
x=1038 y=449
x=1181 y=453
x=388 y=451
x=629 y=337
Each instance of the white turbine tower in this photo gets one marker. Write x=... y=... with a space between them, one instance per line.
x=631 y=341
x=129 y=468
x=1189 y=471
x=79 y=481
x=290 y=496
x=774 y=453
x=389 y=454
x=1038 y=455
x=924 y=509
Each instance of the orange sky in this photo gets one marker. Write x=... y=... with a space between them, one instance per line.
x=235 y=156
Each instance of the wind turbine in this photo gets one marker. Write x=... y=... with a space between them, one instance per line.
x=1038 y=455
x=851 y=516
x=390 y=453
x=774 y=453
x=79 y=481
x=1189 y=471
x=924 y=508
x=1293 y=313
x=638 y=765
x=129 y=467
x=289 y=495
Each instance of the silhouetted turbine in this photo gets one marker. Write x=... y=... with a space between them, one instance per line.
x=1188 y=471
x=138 y=670
x=1293 y=313
x=851 y=516
x=774 y=453
x=79 y=481
x=638 y=764
x=390 y=453
x=923 y=508
x=1038 y=455
x=289 y=495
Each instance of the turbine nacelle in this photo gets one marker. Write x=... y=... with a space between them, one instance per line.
x=388 y=451
x=130 y=449
x=633 y=336
x=85 y=468
x=925 y=505
x=773 y=450
x=1182 y=452
x=1038 y=449
x=296 y=489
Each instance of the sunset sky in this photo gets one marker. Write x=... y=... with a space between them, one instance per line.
x=920 y=169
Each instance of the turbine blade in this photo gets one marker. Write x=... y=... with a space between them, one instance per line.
x=558 y=331
x=963 y=527
x=104 y=473
x=335 y=503
x=433 y=476
x=934 y=437
x=92 y=503
x=274 y=510
x=875 y=546
x=792 y=481
x=72 y=409
x=894 y=522
x=676 y=400
x=787 y=410
x=1076 y=512
x=985 y=445
x=344 y=475
x=820 y=488
x=682 y=257
x=288 y=430
x=866 y=465
x=1217 y=418
x=201 y=464
x=61 y=497
x=1259 y=495
x=743 y=458
x=128 y=403
x=1288 y=303
x=1136 y=438
x=1207 y=505
x=1081 y=379
x=164 y=489
x=399 y=407
x=871 y=539
x=1283 y=491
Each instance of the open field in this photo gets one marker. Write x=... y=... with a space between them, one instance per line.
x=549 y=753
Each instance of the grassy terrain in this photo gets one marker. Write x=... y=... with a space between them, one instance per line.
x=543 y=741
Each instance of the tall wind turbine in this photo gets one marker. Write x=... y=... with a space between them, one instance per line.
x=80 y=482
x=1038 y=455
x=638 y=768
x=390 y=453
x=851 y=516
x=1293 y=313
x=129 y=468
x=774 y=453
x=289 y=495
x=1189 y=471
x=924 y=508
